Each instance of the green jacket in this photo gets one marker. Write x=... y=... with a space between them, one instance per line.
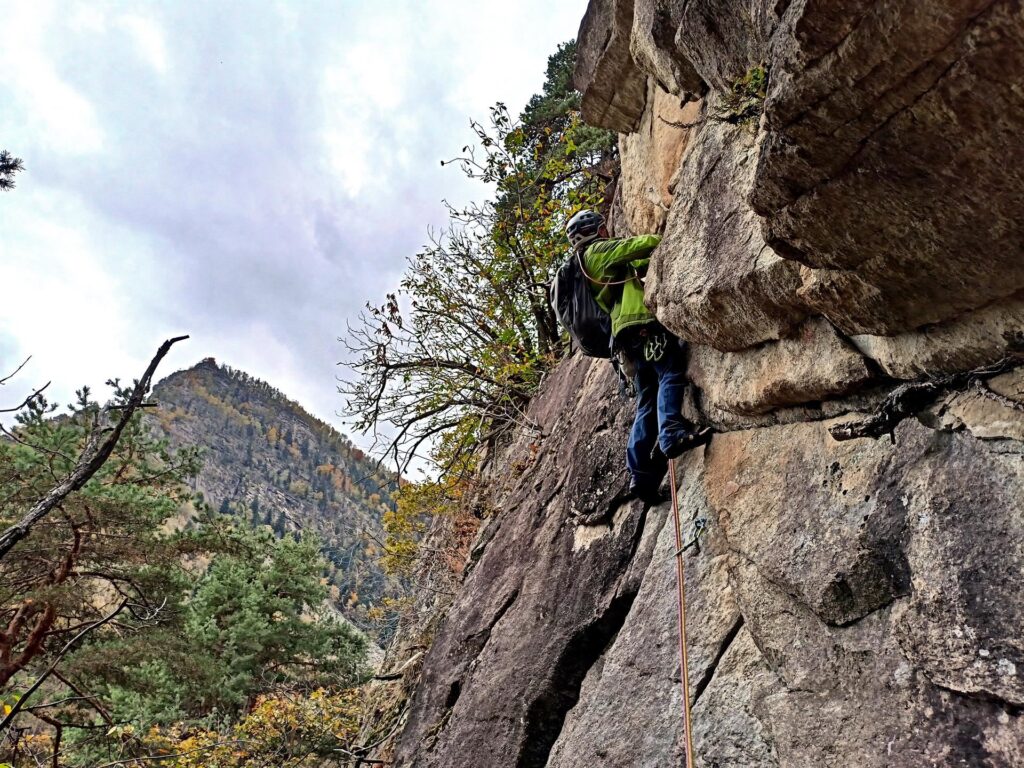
x=609 y=261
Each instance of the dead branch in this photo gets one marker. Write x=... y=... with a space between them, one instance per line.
x=53 y=666
x=913 y=397
x=991 y=394
x=16 y=371
x=93 y=457
x=27 y=400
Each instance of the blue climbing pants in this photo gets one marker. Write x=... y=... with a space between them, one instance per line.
x=660 y=389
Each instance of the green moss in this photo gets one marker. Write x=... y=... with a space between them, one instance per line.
x=744 y=102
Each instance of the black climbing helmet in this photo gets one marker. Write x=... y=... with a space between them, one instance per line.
x=582 y=228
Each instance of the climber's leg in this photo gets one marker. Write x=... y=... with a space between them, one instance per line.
x=675 y=433
x=645 y=472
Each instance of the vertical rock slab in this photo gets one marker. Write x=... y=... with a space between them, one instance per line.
x=714 y=280
x=821 y=519
x=543 y=601
x=851 y=697
x=650 y=158
x=614 y=89
x=630 y=709
x=728 y=727
x=962 y=625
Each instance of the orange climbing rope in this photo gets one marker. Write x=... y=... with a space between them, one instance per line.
x=681 y=585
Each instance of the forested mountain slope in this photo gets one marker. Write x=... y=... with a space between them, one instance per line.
x=269 y=461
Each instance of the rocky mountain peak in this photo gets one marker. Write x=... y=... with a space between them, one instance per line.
x=271 y=462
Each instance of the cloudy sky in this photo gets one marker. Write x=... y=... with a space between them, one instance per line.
x=250 y=173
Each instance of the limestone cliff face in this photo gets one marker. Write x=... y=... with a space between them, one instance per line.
x=854 y=603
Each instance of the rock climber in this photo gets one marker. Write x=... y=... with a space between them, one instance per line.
x=615 y=269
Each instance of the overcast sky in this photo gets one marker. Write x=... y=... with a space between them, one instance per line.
x=250 y=173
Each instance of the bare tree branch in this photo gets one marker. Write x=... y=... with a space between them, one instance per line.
x=27 y=400
x=93 y=457
x=16 y=371
x=53 y=666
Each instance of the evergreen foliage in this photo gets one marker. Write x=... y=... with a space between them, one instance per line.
x=136 y=623
x=100 y=547
x=254 y=623
x=269 y=462
x=9 y=165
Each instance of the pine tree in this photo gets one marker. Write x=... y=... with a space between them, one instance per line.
x=9 y=165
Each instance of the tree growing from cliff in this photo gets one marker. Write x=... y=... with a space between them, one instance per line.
x=461 y=346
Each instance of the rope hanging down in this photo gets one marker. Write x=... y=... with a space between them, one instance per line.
x=681 y=589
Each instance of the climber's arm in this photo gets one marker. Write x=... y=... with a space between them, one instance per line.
x=607 y=254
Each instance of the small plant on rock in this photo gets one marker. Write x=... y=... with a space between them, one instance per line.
x=744 y=102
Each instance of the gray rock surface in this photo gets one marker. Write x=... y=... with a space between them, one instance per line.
x=854 y=603
x=655 y=24
x=508 y=663
x=723 y=39
x=713 y=280
x=881 y=156
x=994 y=412
x=614 y=89
x=890 y=127
x=650 y=158
x=812 y=364
x=960 y=344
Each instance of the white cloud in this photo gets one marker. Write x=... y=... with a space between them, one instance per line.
x=44 y=104
x=248 y=173
x=148 y=39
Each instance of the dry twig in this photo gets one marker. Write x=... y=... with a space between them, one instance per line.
x=93 y=457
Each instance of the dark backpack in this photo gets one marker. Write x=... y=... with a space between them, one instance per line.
x=578 y=311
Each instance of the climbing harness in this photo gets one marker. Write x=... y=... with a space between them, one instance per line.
x=681 y=589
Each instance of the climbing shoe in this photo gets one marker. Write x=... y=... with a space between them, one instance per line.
x=688 y=441
x=648 y=494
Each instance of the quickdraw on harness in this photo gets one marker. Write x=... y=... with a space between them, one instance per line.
x=654 y=347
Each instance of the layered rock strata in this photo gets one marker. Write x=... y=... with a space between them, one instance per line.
x=871 y=183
